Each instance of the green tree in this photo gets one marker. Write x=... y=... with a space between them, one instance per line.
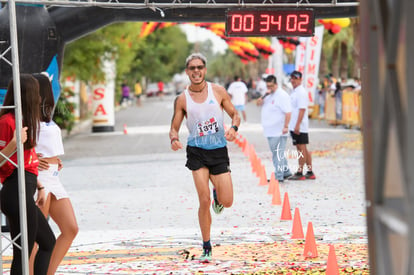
x=156 y=57
x=160 y=55
x=118 y=41
x=226 y=66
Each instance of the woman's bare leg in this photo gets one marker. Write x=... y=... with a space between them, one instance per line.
x=61 y=211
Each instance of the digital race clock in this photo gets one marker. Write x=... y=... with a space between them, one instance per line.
x=280 y=22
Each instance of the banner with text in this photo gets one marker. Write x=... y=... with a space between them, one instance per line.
x=308 y=56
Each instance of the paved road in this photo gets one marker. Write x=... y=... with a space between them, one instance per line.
x=137 y=207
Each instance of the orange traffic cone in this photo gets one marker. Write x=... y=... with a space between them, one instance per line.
x=286 y=214
x=249 y=150
x=125 y=129
x=257 y=166
x=263 y=176
x=237 y=141
x=276 y=194
x=272 y=185
x=310 y=244
x=242 y=143
x=253 y=160
x=332 y=266
x=246 y=147
x=297 y=230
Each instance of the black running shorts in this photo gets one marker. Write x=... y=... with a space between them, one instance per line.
x=302 y=138
x=216 y=160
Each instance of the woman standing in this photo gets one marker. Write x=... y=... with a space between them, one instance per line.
x=38 y=228
x=57 y=204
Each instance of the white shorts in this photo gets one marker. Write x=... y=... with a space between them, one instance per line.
x=50 y=180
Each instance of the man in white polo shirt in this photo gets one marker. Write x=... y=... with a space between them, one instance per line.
x=276 y=112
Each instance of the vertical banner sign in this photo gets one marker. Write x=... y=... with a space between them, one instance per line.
x=313 y=58
x=308 y=57
x=300 y=55
x=103 y=100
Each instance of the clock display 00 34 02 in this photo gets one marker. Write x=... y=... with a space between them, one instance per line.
x=280 y=22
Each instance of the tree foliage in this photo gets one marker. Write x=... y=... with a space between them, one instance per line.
x=339 y=52
x=83 y=57
x=226 y=66
x=157 y=56
x=160 y=55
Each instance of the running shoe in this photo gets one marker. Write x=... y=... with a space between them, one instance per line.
x=310 y=175
x=206 y=256
x=217 y=207
x=286 y=176
x=297 y=176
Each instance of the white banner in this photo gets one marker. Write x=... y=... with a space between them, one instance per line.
x=103 y=100
x=308 y=57
x=301 y=54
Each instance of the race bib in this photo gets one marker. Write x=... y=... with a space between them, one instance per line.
x=207 y=127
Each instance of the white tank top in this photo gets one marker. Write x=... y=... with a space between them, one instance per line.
x=205 y=122
x=49 y=143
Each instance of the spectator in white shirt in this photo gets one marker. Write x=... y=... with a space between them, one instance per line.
x=238 y=92
x=299 y=125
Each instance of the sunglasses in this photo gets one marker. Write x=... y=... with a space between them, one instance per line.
x=192 y=68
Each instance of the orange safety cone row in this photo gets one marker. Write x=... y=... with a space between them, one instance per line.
x=310 y=244
x=297 y=230
x=125 y=129
x=286 y=214
x=332 y=265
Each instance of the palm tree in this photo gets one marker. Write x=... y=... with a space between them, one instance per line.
x=337 y=50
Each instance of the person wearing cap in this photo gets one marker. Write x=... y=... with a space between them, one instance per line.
x=202 y=104
x=276 y=112
x=299 y=125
